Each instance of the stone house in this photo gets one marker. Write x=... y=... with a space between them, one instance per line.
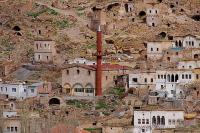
x=44 y=51
x=145 y=121
x=155 y=49
x=174 y=54
x=79 y=80
x=12 y=125
x=142 y=79
x=152 y=16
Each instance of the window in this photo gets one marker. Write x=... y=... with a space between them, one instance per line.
x=47 y=57
x=106 y=77
x=173 y=122
x=8 y=128
x=145 y=80
x=172 y=91
x=139 y=121
x=32 y=90
x=143 y=121
x=14 y=90
x=151 y=79
x=161 y=76
x=143 y=130
x=183 y=76
x=190 y=76
x=190 y=67
x=89 y=90
x=186 y=76
x=78 y=71
x=79 y=90
x=67 y=72
x=16 y=129
x=164 y=76
x=6 y=89
x=161 y=86
x=147 y=121
x=151 y=49
x=157 y=49
x=158 y=76
x=38 y=57
x=134 y=80
x=176 y=53
x=169 y=121
x=12 y=129
x=1 y=88
x=89 y=72
x=24 y=90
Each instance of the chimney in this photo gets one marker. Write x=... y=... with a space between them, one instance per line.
x=99 y=63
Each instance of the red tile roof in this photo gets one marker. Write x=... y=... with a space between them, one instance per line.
x=62 y=128
x=112 y=67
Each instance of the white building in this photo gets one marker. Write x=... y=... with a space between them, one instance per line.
x=188 y=41
x=19 y=90
x=145 y=121
x=9 y=114
x=142 y=80
x=81 y=61
x=155 y=50
x=170 y=81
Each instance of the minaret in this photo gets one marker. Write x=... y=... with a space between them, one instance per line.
x=99 y=63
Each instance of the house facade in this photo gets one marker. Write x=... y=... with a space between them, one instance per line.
x=142 y=79
x=152 y=18
x=79 y=80
x=155 y=50
x=188 y=41
x=145 y=120
x=44 y=51
x=19 y=90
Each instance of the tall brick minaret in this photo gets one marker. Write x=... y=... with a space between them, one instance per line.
x=99 y=63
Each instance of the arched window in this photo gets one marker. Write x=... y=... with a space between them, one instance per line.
x=176 y=78
x=168 y=78
x=172 y=78
x=176 y=43
x=154 y=120
x=180 y=43
x=163 y=120
x=158 y=120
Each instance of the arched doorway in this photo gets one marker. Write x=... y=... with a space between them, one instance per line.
x=67 y=88
x=54 y=101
